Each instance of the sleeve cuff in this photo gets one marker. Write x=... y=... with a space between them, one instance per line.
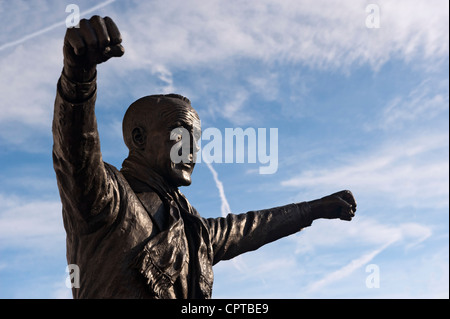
x=76 y=92
x=305 y=212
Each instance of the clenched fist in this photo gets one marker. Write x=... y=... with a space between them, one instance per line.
x=95 y=41
x=340 y=205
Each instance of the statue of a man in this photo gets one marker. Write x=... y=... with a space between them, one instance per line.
x=131 y=232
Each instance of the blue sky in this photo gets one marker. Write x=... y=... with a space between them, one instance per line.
x=356 y=108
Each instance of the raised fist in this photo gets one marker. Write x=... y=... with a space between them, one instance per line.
x=340 y=205
x=95 y=41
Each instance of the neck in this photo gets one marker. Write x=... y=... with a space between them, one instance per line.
x=142 y=177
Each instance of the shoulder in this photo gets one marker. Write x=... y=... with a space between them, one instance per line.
x=115 y=174
x=126 y=187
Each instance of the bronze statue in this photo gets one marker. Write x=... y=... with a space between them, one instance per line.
x=131 y=232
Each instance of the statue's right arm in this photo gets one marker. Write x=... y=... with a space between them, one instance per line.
x=80 y=171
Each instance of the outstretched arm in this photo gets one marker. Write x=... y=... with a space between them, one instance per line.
x=77 y=160
x=237 y=234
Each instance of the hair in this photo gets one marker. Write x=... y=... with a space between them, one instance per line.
x=153 y=110
x=172 y=95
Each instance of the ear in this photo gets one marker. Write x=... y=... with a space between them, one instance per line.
x=139 y=138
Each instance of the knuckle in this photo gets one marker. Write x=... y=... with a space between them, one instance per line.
x=91 y=42
x=84 y=23
x=95 y=18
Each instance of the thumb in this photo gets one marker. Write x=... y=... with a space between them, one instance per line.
x=116 y=50
x=344 y=204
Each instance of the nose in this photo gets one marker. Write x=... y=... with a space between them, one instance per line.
x=195 y=147
x=188 y=151
x=194 y=150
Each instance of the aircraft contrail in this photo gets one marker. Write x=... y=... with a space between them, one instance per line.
x=53 y=26
x=238 y=261
x=225 y=208
x=349 y=268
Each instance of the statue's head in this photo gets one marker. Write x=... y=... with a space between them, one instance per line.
x=153 y=125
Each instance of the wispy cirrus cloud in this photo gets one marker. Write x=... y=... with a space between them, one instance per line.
x=361 y=232
x=345 y=271
x=321 y=34
x=414 y=174
x=425 y=102
x=36 y=224
x=166 y=40
x=315 y=261
x=44 y=30
x=161 y=38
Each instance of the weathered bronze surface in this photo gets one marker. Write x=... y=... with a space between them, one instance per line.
x=132 y=232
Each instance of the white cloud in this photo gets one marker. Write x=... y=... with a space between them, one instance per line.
x=265 y=84
x=61 y=292
x=36 y=224
x=331 y=254
x=27 y=91
x=346 y=270
x=407 y=172
x=425 y=102
x=317 y=33
x=361 y=232
x=162 y=37
x=159 y=37
x=233 y=108
x=51 y=27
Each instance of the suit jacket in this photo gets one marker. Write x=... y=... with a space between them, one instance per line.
x=142 y=239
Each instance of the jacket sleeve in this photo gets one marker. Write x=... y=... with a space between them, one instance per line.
x=87 y=192
x=236 y=234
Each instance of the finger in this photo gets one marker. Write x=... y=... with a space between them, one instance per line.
x=348 y=218
x=114 y=51
x=99 y=27
x=348 y=197
x=75 y=41
x=347 y=214
x=113 y=31
x=88 y=34
x=343 y=203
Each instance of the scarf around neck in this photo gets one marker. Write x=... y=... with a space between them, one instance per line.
x=183 y=242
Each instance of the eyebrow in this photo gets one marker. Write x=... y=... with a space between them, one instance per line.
x=180 y=124
x=189 y=126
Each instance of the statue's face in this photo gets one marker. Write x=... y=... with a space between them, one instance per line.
x=174 y=136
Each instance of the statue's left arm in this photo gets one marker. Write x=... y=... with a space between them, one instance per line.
x=236 y=234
